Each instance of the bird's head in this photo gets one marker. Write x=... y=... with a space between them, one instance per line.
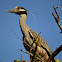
x=18 y=10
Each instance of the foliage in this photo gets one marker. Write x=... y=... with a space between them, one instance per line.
x=17 y=60
x=57 y=60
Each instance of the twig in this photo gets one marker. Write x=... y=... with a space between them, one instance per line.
x=22 y=59
x=57 y=19
x=26 y=52
x=38 y=35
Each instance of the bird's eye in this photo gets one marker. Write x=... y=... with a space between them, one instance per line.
x=18 y=8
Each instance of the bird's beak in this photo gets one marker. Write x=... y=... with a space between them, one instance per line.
x=12 y=11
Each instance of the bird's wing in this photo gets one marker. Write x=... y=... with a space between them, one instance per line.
x=41 y=41
x=35 y=35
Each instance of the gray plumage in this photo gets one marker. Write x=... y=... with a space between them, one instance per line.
x=30 y=36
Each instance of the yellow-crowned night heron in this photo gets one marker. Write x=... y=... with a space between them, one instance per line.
x=28 y=35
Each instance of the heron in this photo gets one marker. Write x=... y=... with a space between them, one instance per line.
x=43 y=48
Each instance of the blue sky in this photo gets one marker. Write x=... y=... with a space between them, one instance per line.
x=44 y=23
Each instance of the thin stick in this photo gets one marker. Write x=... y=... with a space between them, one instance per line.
x=26 y=52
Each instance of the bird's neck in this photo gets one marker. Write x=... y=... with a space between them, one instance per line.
x=23 y=18
x=23 y=24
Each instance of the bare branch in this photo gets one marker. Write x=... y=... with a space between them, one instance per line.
x=58 y=17
x=26 y=52
x=56 y=51
x=54 y=54
x=22 y=59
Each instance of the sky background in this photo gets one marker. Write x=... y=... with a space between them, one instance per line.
x=43 y=22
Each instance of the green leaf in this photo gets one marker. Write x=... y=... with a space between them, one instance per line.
x=57 y=60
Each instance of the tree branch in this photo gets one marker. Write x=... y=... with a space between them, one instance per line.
x=57 y=18
x=56 y=51
x=54 y=54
